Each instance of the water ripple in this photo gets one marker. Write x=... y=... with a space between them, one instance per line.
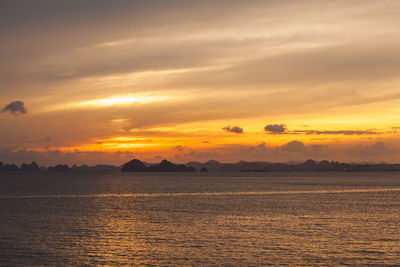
x=206 y=194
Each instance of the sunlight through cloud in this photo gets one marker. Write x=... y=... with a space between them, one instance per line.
x=123 y=100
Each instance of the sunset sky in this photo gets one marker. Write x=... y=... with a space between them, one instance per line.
x=101 y=81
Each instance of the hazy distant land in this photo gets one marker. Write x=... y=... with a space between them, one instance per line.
x=136 y=165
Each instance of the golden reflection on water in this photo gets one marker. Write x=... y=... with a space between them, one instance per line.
x=248 y=229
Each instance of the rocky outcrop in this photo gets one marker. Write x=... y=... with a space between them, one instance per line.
x=164 y=166
x=8 y=167
x=134 y=165
x=167 y=166
x=33 y=167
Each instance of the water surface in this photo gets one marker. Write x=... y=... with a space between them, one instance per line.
x=200 y=219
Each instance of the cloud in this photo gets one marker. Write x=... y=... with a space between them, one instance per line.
x=179 y=148
x=201 y=155
x=158 y=157
x=374 y=149
x=251 y=52
x=15 y=107
x=379 y=146
x=234 y=129
x=275 y=128
x=340 y=132
x=298 y=151
x=291 y=151
x=262 y=145
x=294 y=146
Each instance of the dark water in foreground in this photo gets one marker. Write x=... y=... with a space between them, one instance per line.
x=200 y=219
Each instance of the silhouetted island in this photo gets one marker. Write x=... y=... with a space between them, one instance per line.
x=30 y=167
x=8 y=167
x=307 y=166
x=59 y=168
x=136 y=165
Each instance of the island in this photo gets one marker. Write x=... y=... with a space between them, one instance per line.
x=136 y=165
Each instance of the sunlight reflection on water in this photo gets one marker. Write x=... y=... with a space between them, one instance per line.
x=206 y=194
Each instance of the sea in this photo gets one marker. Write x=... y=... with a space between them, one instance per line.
x=200 y=219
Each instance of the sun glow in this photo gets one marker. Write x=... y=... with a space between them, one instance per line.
x=122 y=100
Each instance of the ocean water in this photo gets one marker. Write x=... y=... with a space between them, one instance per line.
x=247 y=219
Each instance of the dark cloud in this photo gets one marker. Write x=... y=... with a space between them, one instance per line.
x=234 y=129
x=15 y=107
x=340 y=132
x=275 y=128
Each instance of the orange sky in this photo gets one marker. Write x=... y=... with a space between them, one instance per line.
x=104 y=82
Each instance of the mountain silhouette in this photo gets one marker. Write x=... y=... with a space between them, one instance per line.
x=136 y=165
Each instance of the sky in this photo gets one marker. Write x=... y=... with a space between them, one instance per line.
x=102 y=82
